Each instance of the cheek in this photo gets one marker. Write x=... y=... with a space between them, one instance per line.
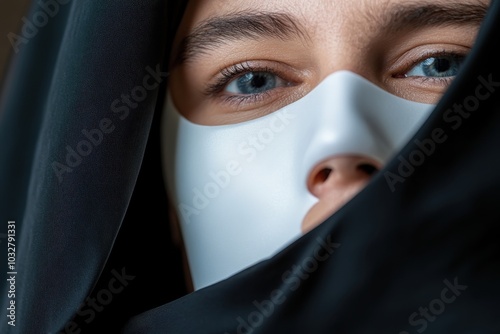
x=184 y=93
x=416 y=94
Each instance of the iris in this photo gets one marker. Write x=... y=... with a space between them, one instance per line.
x=254 y=83
x=445 y=66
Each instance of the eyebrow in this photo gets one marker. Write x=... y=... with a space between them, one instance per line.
x=413 y=15
x=236 y=26
x=227 y=28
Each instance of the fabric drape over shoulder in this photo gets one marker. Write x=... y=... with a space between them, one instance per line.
x=80 y=175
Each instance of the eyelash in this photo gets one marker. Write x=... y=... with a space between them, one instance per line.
x=431 y=54
x=232 y=72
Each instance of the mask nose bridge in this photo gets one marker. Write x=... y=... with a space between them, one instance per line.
x=342 y=122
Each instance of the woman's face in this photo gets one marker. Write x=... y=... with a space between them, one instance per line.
x=234 y=61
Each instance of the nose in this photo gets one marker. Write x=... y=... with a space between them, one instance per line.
x=334 y=182
x=340 y=172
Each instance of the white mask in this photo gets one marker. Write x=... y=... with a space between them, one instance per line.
x=240 y=190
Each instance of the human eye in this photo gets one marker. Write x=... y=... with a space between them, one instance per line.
x=423 y=73
x=252 y=83
x=437 y=66
x=249 y=83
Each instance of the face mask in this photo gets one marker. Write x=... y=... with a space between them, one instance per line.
x=240 y=190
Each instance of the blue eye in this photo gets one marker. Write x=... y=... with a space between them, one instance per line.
x=252 y=83
x=437 y=67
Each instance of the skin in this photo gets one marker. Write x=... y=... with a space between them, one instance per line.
x=381 y=40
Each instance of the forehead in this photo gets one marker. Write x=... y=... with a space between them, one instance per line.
x=313 y=12
x=207 y=8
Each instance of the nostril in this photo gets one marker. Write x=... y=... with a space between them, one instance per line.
x=322 y=175
x=340 y=173
x=368 y=169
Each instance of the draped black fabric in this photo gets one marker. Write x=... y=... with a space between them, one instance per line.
x=78 y=105
x=416 y=251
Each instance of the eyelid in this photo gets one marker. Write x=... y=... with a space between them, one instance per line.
x=228 y=74
x=410 y=59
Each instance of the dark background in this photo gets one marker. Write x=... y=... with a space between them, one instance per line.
x=11 y=13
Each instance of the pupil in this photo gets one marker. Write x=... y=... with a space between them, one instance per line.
x=258 y=81
x=442 y=65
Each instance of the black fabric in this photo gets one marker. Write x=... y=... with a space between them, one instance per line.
x=425 y=237
x=61 y=87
